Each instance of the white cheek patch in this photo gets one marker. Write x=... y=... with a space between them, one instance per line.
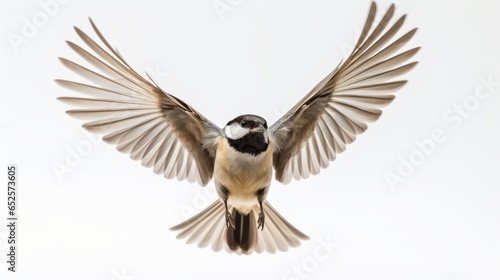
x=266 y=136
x=235 y=131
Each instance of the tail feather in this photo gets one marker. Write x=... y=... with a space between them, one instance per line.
x=219 y=238
x=203 y=231
x=195 y=225
x=243 y=235
x=209 y=227
x=289 y=232
x=211 y=234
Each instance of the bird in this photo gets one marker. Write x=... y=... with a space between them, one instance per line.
x=168 y=135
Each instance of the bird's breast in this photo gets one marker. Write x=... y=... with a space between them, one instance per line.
x=242 y=173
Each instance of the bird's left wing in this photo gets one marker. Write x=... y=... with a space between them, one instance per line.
x=137 y=116
x=317 y=128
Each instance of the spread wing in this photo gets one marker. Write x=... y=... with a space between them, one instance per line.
x=338 y=109
x=133 y=113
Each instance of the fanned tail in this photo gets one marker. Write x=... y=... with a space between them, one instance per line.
x=209 y=227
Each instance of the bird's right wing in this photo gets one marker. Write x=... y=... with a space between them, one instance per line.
x=137 y=116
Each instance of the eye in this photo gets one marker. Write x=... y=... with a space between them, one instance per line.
x=243 y=123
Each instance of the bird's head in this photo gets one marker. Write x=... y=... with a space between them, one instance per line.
x=244 y=125
x=247 y=134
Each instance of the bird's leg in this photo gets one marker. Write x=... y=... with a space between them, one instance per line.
x=229 y=218
x=262 y=216
x=261 y=196
x=223 y=193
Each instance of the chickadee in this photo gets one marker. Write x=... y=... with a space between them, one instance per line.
x=169 y=135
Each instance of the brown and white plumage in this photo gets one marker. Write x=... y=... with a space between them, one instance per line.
x=206 y=229
x=338 y=109
x=151 y=125
x=167 y=134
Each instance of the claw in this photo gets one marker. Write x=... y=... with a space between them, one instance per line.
x=260 y=221
x=229 y=220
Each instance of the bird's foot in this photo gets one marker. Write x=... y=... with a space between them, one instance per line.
x=229 y=220
x=260 y=221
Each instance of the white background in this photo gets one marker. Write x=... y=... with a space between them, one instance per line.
x=109 y=217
